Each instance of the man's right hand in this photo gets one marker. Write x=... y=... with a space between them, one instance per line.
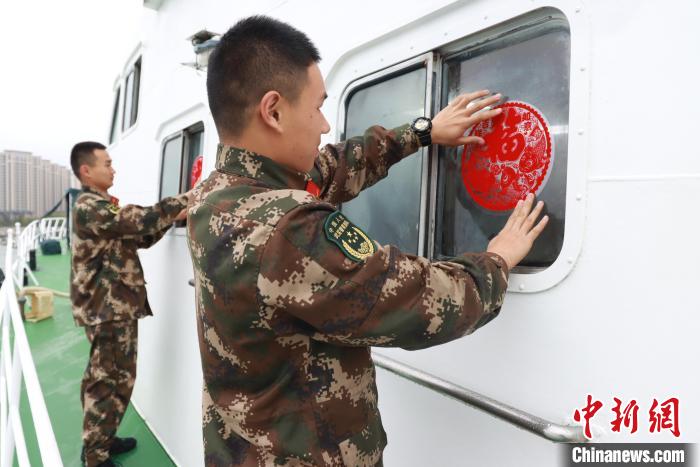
x=189 y=193
x=515 y=240
x=181 y=216
x=451 y=122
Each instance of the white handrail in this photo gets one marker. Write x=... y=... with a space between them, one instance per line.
x=52 y=228
x=12 y=366
x=532 y=423
x=27 y=239
x=30 y=238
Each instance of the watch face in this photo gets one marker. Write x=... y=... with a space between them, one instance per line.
x=421 y=124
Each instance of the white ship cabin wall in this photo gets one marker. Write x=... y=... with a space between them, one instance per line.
x=605 y=305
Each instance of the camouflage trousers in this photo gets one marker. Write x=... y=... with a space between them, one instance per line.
x=107 y=384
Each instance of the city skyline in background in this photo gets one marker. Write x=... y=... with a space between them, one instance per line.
x=30 y=185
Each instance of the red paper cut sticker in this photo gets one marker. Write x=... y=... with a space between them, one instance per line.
x=515 y=161
x=196 y=172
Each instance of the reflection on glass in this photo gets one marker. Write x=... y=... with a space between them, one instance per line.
x=532 y=66
x=115 y=112
x=135 y=93
x=194 y=149
x=389 y=211
x=128 y=99
x=170 y=173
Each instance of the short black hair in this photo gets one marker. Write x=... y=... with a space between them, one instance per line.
x=258 y=54
x=83 y=153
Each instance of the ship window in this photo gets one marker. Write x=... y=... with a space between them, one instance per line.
x=195 y=143
x=131 y=96
x=527 y=148
x=389 y=210
x=179 y=154
x=170 y=169
x=114 y=127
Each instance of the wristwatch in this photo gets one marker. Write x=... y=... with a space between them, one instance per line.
x=422 y=127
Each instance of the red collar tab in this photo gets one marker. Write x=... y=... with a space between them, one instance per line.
x=114 y=200
x=312 y=188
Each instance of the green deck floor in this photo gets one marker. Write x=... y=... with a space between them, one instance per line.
x=60 y=351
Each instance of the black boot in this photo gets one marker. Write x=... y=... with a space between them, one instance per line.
x=122 y=445
x=108 y=463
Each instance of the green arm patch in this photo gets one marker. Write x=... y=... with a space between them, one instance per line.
x=351 y=240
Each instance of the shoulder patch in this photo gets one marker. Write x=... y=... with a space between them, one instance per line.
x=351 y=240
x=113 y=208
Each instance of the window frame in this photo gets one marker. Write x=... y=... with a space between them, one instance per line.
x=169 y=138
x=426 y=60
x=458 y=26
x=134 y=73
x=115 y=128
x=133 y=65
x=460 y=47
x=136 y=92
x=185 y=133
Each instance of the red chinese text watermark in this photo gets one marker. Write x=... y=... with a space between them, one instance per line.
x=662 y=416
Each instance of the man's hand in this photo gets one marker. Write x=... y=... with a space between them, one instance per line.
x=515 y=240
x=182 y=215
x=450 y=124
x=189 y=193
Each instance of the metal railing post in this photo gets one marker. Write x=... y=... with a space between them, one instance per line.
x=13 y=388
x=7 y=440
x=3 y=381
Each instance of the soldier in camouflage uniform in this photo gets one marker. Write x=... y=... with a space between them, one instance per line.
x=109 y=295
x=290 y=293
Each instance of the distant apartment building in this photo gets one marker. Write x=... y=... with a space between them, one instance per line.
x=30 y=185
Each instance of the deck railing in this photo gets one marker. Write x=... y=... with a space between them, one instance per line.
x=26 y=241
x=13 y=366
x=51 y=228
x=30 y=238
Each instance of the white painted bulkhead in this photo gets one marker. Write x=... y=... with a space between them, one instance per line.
x=618 y=320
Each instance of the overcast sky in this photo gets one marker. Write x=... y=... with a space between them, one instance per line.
x=58 y=63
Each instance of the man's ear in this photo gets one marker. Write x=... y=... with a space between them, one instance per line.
x=270 y=109
x=84 y=171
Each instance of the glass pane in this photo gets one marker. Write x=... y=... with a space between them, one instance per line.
x=389 y=210
x=477 y=189
x=170 y=170
x=194 y=150
x=135 y=95
x=115 y=112
x=128 y=99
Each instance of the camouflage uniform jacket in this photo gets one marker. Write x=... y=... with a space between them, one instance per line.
x=286 y=315
x=106 y=276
